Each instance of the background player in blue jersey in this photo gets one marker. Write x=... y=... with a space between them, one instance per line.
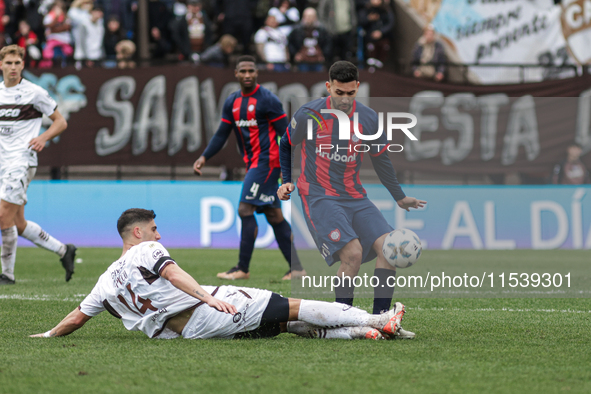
x=257 y=117
x=344 y=223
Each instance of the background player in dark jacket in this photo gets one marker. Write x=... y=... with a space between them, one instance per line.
x=257 y=117
x=345 y=225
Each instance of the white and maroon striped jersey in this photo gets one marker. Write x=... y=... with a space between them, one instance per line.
x=131 y=289
x=21 y=111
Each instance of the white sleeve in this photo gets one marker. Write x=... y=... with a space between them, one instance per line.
x=92 y=305
x=43 y=102
x=260 y=37
x=154 y=257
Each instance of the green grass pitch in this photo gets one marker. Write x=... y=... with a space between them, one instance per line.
x=463 y=345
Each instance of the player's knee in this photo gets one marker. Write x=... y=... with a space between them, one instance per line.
x=246 y=210
x=274 y=216
x=352 y=257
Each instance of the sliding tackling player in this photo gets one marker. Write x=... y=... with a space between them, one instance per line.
x=149 y=292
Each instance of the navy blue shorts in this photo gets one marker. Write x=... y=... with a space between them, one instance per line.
x=333 y=223
x=260 y=188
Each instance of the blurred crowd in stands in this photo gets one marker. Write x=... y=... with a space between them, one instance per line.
x=304 y=35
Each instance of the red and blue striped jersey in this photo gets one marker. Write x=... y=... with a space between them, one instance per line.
x=257 y=119
x=330 y=166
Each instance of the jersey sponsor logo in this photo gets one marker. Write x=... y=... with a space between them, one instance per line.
x=335 y=156
x=335 y=235
x=247 y=123
x=265 y=198
x=5 y=130
x=10 y=112
x=157 y=254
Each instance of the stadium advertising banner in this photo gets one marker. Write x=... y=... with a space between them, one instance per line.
x=510 y=32
x=203 y=214
x=166 y=116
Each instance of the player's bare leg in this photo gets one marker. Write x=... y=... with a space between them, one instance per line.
x=383 y=295
x=8 y=213
x=350 y=255
x=34 y=233
x=284 y=237
x=248 y=236
x=334 y=315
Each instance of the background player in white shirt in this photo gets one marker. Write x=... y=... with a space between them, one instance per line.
x=22 y=106
x=149 y=292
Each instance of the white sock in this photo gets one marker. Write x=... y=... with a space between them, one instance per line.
x=8 y=256
x=307 y=330
x=334 y=315
x=34 y=233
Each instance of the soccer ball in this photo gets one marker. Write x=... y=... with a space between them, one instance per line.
x=402 y=248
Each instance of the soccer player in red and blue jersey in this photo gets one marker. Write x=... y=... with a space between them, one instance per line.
x=257 y=117
x=344 y=223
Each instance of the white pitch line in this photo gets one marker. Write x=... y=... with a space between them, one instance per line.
x=418 y=308
x=44 y=297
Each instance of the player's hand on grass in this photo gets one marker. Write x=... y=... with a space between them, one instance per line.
x=199 y=163
x=410 y=202
x=36 y=336
x=37 y=143
x=285 y=190
x=221 y=306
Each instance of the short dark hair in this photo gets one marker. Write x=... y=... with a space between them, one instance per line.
x=245 y=58
x=133 y=216
x=343 y=71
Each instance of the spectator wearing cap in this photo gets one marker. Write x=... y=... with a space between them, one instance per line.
x=428 y=56
x=309 y=43
x=271 y=45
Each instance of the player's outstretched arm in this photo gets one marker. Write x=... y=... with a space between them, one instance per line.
x=185 y=282
x=410 y=202
x=215 y=145
x=285 y=190
x=71 y=323
x=57 y=127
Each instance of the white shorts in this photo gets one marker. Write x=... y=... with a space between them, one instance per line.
x=207 y=322
x=14 y=183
